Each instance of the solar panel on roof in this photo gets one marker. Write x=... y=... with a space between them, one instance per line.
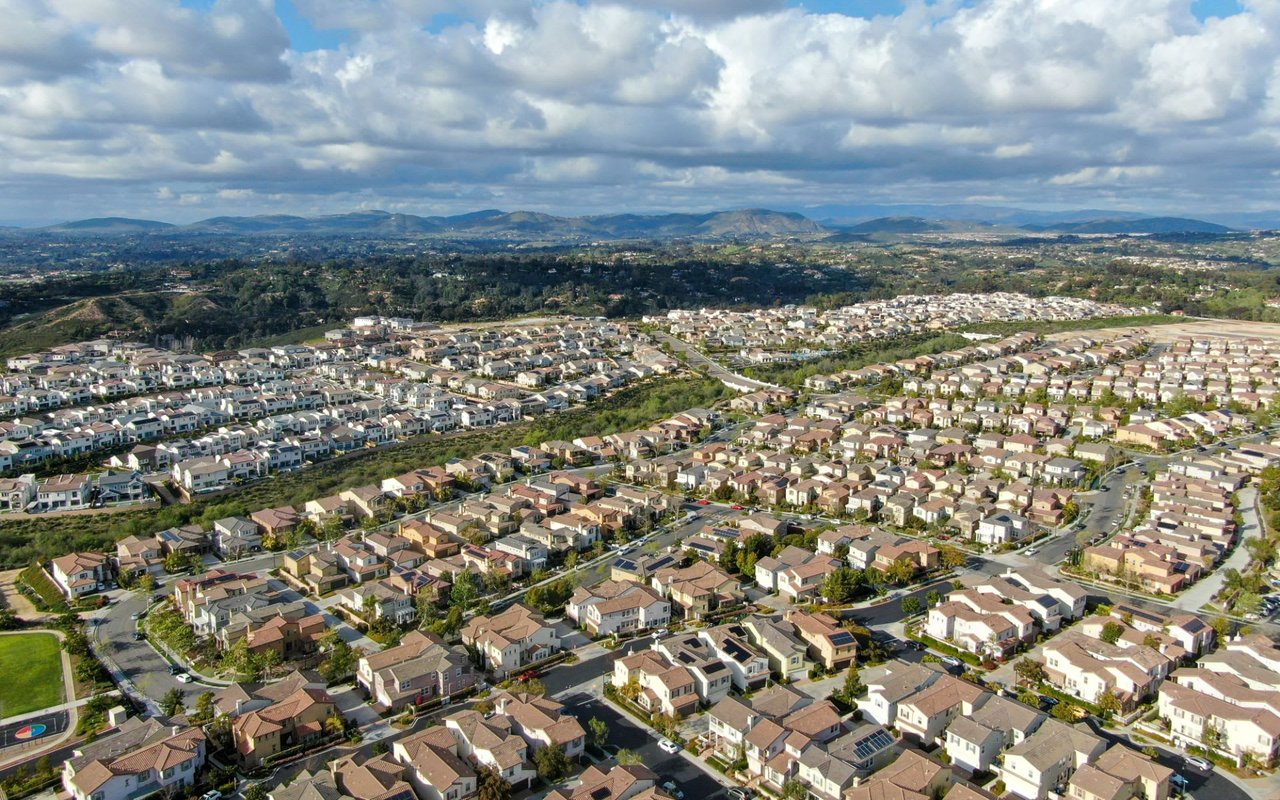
x=872 y=744
x=842 y=638
x=624 y=563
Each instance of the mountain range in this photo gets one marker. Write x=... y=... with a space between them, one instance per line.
x=839 y=224
x=524 y=225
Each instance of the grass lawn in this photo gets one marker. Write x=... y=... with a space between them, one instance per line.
x=31 y=664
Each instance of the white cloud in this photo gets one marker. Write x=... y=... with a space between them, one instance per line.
x=449 y=104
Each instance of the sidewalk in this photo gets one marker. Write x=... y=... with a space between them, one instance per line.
x=74 y=704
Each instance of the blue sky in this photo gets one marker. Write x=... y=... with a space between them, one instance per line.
x=186 y=109
x=305 y=37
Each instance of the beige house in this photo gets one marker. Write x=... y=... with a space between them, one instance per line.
x=658 y=685
x=1120 y=774
x=618 y=607
x=829 y=644
x=1222 y=712
x=295 y=721
x=1048 y=758
x=512 y=639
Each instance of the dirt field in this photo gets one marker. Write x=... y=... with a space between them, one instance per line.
x=1230 y=328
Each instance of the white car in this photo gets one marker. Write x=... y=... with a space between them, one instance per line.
x=951 y=661
x=1031 y=551
x=1202 y=764
x=183 y=677
x=668 y=746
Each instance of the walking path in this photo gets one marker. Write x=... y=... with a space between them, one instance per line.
x=1202 y=591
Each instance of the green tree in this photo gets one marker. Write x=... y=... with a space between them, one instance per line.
x=729 y=558
x=853 y=686
x=1028 y=671
x=911 y=605
x=178 y=561
x=204 y=709
x=1111 y=632
x=599 y=731
x=794 y=790
x=1109 y=703
x=953 y=557
x=551 y=763
x=1067 y=712
x=172 y=702
x=490 y=785
x=465 y=589
x=255 y=792
x=933 y=598
x=629 y=758
x=340 y=661
x=1223 y=627
x=900 y=573
x=842 y=584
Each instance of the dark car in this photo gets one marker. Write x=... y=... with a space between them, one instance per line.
x=174 y=669
x=139 y=636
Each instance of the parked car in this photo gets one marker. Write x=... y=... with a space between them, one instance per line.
x=183 y=677
x=211 y=795
x=668 y=746
x=1179 y=782
x=740 y=793
x=736 y=507
x=174 y=669
x=704 y=502
x=1202 y=764
x=951 y=661
x=138 y=636
x=670 y=788
x=137 y=615
x=1031 y=551
x=917 y=646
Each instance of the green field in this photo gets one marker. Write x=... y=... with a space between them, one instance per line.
x=31 y=664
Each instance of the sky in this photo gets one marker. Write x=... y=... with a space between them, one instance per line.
x=181 y=110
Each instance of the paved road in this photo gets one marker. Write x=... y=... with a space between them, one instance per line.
x=1201 y=785
x=45 y=726
x=628 y=734
x=697 y=359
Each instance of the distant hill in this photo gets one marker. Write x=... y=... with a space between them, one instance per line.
x=896 y=225
x=747 y=223
x=101 y=225
x=1155 y=225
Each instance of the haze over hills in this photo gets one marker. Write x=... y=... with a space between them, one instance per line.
x=1134 y=226
x=737 y=224
x=843 y=216
x=482 y=224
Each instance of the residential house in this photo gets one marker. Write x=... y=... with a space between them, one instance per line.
x=512 y=639
x=142 y=758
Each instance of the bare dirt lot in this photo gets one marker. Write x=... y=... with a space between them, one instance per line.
x=1229 y=328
